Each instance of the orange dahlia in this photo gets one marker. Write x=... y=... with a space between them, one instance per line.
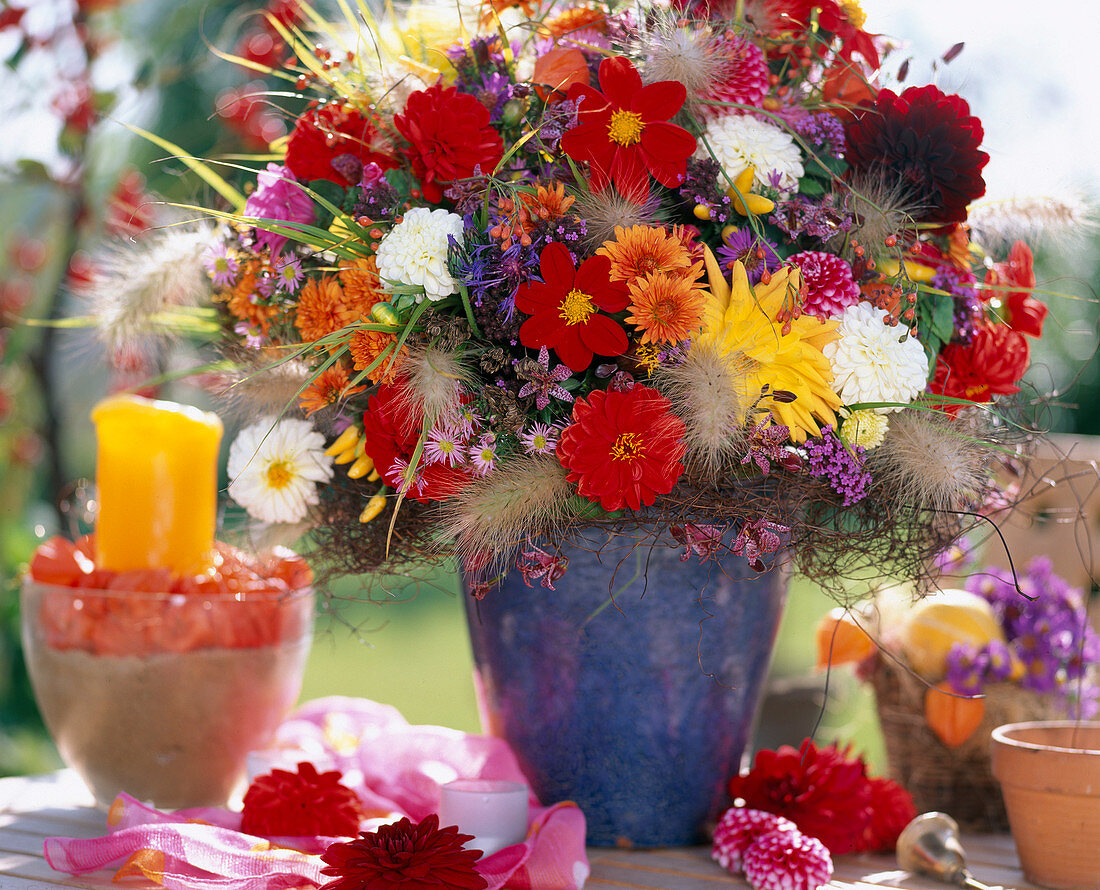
x=623 y=448
x=367 y=346
x=361 y=285
x=643 y=250
x=241 y=300
x=666 y=308
x=323 y=308
x=327 y=388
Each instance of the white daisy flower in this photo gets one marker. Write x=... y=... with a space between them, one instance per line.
x=274 y=469
x=415 y=251
x=739 y=141
x=875 y=362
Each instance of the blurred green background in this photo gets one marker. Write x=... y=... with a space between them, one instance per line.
x=72 y=177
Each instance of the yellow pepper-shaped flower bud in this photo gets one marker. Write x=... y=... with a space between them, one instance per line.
x=744 y=201
x=361 y=467
x=345 y=441
x=374 y=506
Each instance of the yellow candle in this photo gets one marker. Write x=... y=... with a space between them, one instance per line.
x=156 y=481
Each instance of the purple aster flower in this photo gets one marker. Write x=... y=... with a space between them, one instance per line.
x=540 y=438
x=542 y=382
x=288 y=273
x=445 y=446
x=755 y=254
x=253 y=336
x=483 y=456
x=220 y=265
x=842 y=468
x=278 y=197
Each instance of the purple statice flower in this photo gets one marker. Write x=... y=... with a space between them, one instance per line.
x=220 y=265
x=543 y=382
x=704 y=184
x=556 y=121
x=821 y=130
x=698 y=540
x=759 y=538
x=755 y=254
x=279 y=197
x=842 y=468
x=377 y=198
x=968 y=305
x=537 y=564
x=821 y=219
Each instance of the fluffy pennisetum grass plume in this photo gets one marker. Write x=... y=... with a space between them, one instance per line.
x=1034 y=220
x=880 y=209
x=135 y=285
x=933 y=462
x=434 y=381
x=261 y=382
x=603 y=211
x=495 y=514
x=705 y=395
x=675 y=52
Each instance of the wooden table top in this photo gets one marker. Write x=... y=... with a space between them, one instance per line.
x=35 y=807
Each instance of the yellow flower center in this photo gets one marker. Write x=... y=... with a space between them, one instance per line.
x=279 y=474
x=854 y=12
x=628 y=446
x=625 y=128
x=576 y=307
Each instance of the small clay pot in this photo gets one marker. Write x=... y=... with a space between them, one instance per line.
x=1050 y=777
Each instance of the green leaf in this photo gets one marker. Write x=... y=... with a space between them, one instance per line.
x=808 y=185
x=203 y=170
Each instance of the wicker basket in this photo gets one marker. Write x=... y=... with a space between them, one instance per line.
x=956 y=781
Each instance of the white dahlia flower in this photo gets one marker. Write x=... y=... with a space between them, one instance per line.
x=415 y=251
x=274 y=469
x=739 y=141
x=874 y=362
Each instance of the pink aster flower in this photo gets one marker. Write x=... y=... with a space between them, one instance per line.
x=278 y=197
x=445 y=446
x=540 y=438
x=483 y=456
x=219 y=265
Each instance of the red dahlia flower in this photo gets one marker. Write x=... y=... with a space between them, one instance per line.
x=301 y=804
x=929 y=143
x=391 y=430
x=821 y=790
x=322 y=135
x=449 y=135
x=1013 y=281
x=563 y=308
x=623 y=447
x=990 y=364
x=892 y=809
x=418 y=857
x=624 y=134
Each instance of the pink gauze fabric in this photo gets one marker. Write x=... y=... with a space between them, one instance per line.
x=397 y=769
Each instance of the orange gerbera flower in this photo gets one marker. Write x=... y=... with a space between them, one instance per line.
x=643 y=250
x=327 y=388
x=240 y=301
x=580 y=18
x=365 y=348
x=362 y=287
x=666 y=308
x=324 y=309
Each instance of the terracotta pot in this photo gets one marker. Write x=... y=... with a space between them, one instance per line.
x=1050 y=777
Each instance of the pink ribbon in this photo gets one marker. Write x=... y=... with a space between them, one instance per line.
x=397 y=770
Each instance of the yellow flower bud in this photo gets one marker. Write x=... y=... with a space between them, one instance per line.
x=361 y=467
x=374 y=506
x=701 y=211
x=383 y=314
x=346 y=440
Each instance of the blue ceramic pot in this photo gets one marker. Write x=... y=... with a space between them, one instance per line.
x=637 y=709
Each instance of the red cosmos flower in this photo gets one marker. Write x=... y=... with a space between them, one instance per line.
x=1013 y=282
x=418 y=857
x=563 y=308
x=623 y=132
x=449 y=135
x=391 y=429
x=991 y=364
x=623 y=447
x=826 y=793
x=305 y=803
x=324 y=134
x=927 y=141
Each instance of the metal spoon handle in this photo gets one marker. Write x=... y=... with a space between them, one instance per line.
x=969 y=883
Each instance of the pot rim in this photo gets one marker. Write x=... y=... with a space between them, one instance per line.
x=29 y=584
x=1002 y=735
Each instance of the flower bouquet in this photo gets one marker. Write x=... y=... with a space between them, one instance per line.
x=646 y=276
x=961 y=662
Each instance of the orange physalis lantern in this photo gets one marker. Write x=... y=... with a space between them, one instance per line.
x=952 y=717
x=840 y=640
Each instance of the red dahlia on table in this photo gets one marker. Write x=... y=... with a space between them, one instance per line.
x=565 y=308
x=449 y=135
x=623 y=132
x=928 y=142
x=301 y=804
x=623 y=448
x=326 y=135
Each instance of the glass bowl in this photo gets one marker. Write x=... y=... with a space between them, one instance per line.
x=163 y=695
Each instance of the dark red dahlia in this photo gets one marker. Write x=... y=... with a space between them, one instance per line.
x=391 y=429
x=303 y=803
x=821 y=790
x=892 y=809
x=623 y=131
x=404 y=855
x=449 y=135
x=992 y=363
x=623 y=448
x=928 y=142
x=325 y=135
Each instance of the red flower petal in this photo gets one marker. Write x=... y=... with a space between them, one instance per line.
x=659 y=101
x=556 y=265
x=620 y=80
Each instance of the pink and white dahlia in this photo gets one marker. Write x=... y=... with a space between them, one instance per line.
x=785 y=860
x=742 y=78
x=738 y=829
x=829 y=287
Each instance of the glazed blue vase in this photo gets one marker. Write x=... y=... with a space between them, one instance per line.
x=639 y=706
